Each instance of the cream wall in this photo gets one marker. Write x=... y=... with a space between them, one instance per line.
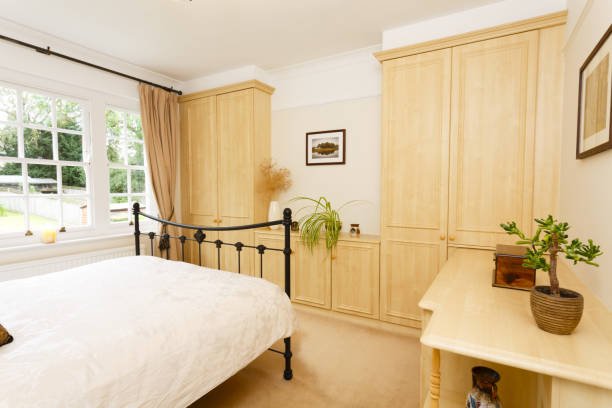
x=586 y=196
x=358 y=179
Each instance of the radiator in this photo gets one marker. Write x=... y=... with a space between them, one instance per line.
x=55 y=264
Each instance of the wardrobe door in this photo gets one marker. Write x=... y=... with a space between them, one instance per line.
x=235 y=154
x=492 y=138
x=415 y=126
x=198 y=168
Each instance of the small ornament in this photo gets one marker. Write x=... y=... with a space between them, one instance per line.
x=484 y=389
x=355 y=231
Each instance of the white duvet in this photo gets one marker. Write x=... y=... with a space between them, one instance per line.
x=133 y=332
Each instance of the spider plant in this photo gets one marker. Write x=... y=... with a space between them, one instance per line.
x=323 y=216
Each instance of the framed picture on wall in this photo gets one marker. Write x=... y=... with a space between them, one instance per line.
x=326 y=147
x=595 y=100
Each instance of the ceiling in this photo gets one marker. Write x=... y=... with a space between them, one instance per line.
x=187 y=39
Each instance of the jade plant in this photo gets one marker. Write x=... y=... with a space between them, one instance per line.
x=321 y=217
x=551 y=239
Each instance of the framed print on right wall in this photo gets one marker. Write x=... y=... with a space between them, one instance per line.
x=595 y=100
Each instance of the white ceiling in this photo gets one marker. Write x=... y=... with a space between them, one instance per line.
x=185 y=40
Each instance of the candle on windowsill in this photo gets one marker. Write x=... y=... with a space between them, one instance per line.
x=48 y=235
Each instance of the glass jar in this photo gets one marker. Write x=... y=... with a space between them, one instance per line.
x=355 y=230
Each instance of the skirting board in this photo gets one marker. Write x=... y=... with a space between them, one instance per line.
x=59 y=263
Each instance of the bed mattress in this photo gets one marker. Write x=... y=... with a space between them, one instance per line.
x=133 y=332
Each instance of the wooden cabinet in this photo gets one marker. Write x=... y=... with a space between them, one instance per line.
x=346 y=280
x=464 y=125
x=225 y=136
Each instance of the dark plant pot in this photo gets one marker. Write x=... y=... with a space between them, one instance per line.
x=557 y=315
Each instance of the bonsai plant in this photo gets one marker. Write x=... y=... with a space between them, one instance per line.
x=556 y=310
x=323 y=216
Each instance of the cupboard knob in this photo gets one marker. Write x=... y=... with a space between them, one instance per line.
x=219 y=221
x=451 y=237
x=442 y=237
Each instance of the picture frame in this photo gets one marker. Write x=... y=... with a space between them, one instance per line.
x=595 y=100
x=326 y=147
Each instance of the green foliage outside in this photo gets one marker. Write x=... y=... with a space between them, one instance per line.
x=551 y=239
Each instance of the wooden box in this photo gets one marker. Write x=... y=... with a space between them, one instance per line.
x=509 y=270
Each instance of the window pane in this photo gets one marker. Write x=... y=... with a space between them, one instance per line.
x=138 y=181
x=74 y=180
x=38 y=144
x=135 y=154
x=8 y=104
x=114 y=123
x=118 y=180
x=114 y=151
x=140 y=200
x=11 y=179
x=134 y=126
x=36 y=109
x=44 y=212
x=70 y=147
x=8 y=141
x=75 y=211
x=42 y=178
x=11 y=214
x=69 y=115
x=119 y=209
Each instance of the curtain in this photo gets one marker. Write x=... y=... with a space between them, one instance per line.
x=159 y=110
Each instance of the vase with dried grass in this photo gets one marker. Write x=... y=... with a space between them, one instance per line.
x=275 y=180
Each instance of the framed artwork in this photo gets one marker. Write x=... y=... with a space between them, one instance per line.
x=595 y=100
x=326 y=147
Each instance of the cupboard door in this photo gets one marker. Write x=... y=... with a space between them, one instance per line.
x=415 y=145
x=492 y=138
x=409 y=270
x=199 y=156
x=355 y=278
x=235 y=154
x=311 y=277
x=230 y=261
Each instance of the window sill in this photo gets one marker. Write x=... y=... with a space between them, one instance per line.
x=34 y=251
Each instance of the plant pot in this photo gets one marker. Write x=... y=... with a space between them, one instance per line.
x=557 y=315
x=274 y=213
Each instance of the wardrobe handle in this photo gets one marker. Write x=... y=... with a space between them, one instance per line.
x=442 y=237
x=451 y=237
x=219 y=221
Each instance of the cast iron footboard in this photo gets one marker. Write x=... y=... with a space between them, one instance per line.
x=199 y=237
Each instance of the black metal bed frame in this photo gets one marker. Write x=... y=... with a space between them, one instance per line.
x=199 y=237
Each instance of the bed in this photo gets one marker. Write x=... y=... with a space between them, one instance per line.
x=137 y=331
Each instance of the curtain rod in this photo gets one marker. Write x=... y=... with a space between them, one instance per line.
x=47 y=51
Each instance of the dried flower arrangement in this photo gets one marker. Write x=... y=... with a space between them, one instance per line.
x=276 y=179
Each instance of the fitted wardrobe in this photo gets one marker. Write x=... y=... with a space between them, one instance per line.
x=470 y=138
x=225 y=136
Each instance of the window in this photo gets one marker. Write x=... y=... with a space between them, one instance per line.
x=44 y=162
x=126 y=163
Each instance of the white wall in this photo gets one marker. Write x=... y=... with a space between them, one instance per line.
x=502 y=12
x=586 y=196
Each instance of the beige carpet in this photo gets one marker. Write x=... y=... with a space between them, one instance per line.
x=335 y=364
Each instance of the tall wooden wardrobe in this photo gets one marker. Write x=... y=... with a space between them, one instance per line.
x=225 y=136
x=470 y=138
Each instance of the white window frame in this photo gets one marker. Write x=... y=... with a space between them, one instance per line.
x=150 y=206
x=85 y=134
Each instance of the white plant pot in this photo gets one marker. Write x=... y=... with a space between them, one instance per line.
x=274 y=213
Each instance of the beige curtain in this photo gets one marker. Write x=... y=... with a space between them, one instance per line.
x=159 y=110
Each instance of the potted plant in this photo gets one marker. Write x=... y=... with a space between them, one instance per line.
x=555 y=310
x=322 y=217
x=275 y=181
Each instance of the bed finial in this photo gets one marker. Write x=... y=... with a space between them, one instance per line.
x=287 y=216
